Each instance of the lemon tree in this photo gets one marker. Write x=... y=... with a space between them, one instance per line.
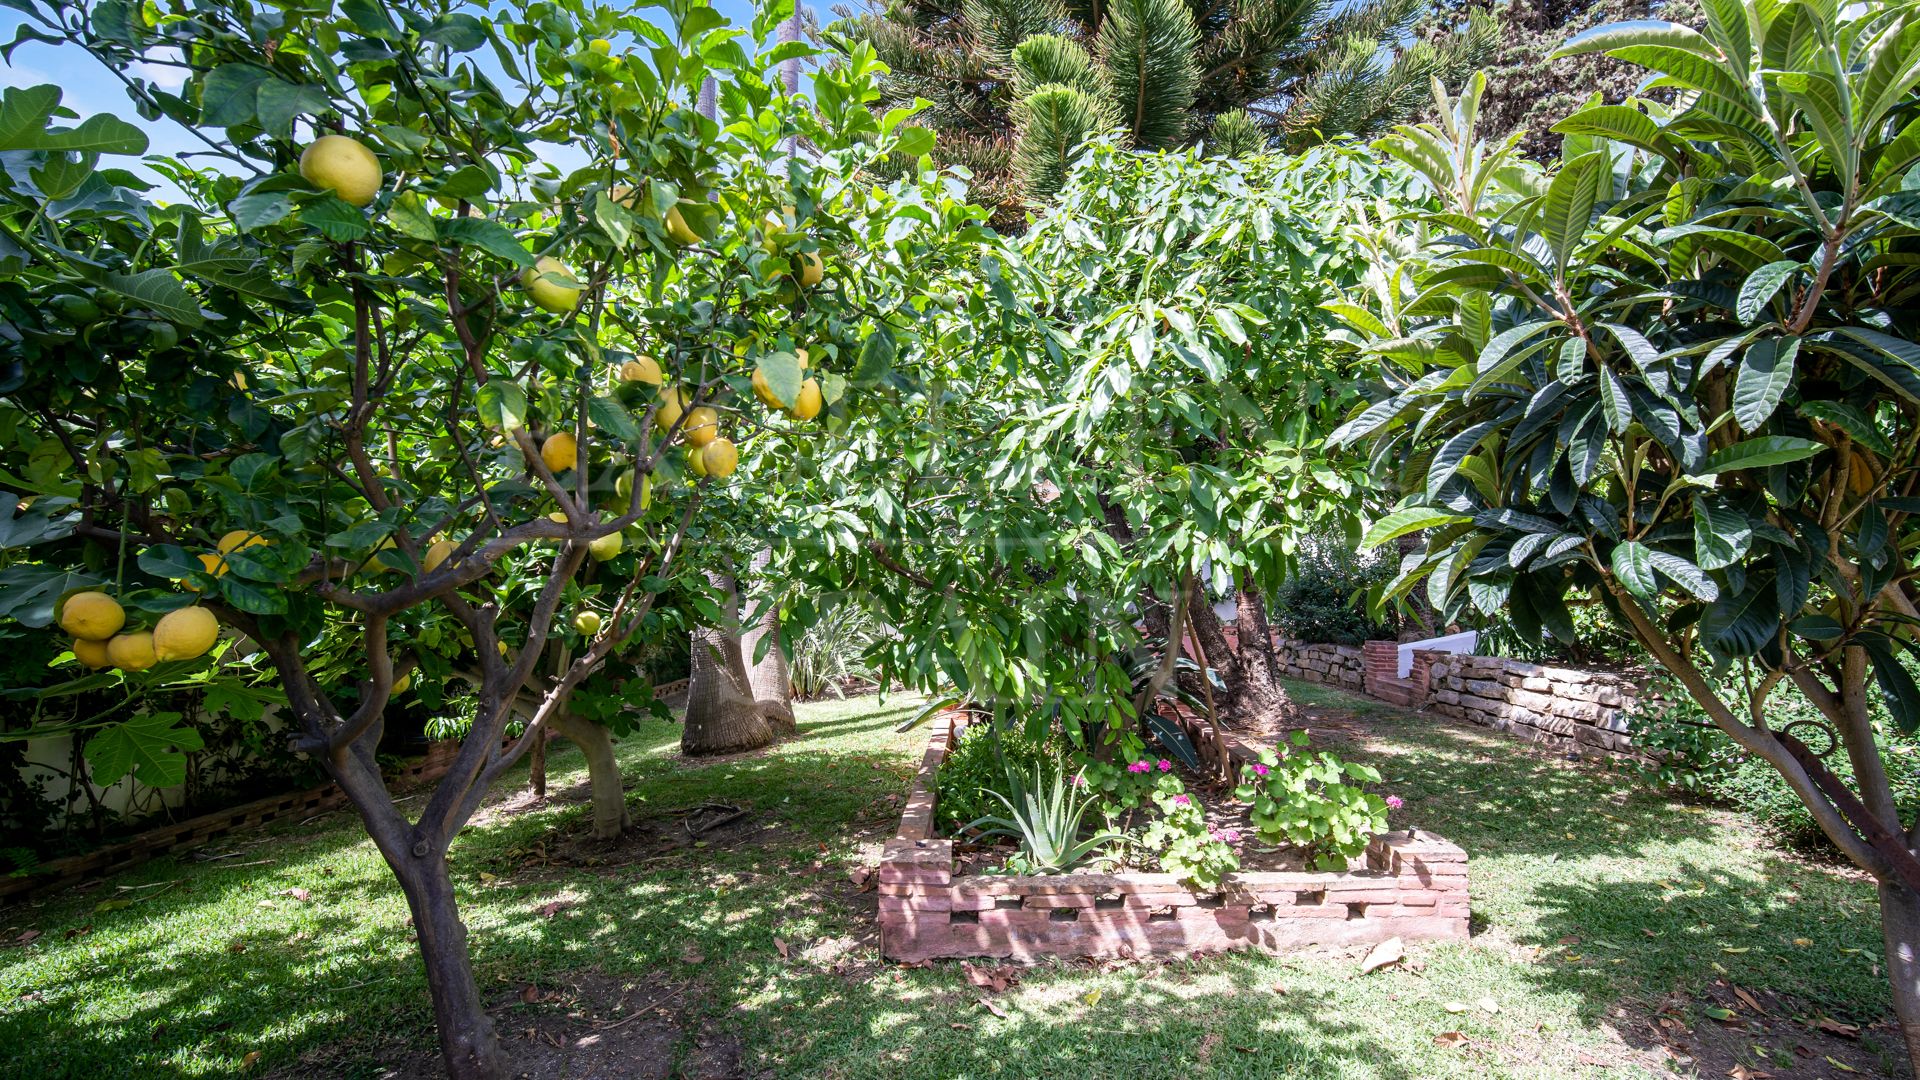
x=370 y=392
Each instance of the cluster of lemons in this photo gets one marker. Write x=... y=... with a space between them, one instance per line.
x=100 y=639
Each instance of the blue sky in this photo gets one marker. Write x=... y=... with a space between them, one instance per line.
x=89 y=89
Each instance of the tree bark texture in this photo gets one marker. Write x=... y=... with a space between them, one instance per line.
x=722 y=716
x=1900 y=927
x=467 y=1038
x=768 y=680
x=607 y=793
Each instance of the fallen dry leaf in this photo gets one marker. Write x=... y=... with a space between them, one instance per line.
x=992 y=979
x=1455 y=1006
x=1741 y=1072
x=1834 y=1027
x=957 y=1026
x=301 y=895
x=692 y=955
x=780 y=946
x=987 y=1003
x=26 y=936
x=551 y=908
x=1841 y=1065
x=1390 y=951
x=530 y=993
x=1449 y=1038
x=252 y=1056
x=1749 y=1000
x=1487 y=1004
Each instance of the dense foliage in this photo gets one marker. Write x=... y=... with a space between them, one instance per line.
x=1327 y=596
x=1678 y=372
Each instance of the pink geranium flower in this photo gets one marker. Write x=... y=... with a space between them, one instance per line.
x=1079 y=780
x=1182 y=800
x=1231 y=836
x=1395 y=802
x=1139 y=767
x=1165 y=765
x=1261 y=770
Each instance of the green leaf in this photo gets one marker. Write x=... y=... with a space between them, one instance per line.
x=26 y=116
x=336 y=218
x=1766 y=371
x=1568 y=207
x=1850 y=420
x=1721 y=534
x=1760 y=453
x=1411 y=520
x=502 y=405
x=1633 y=565
x=1685 y=574
x=490 y=236
x=230 y=93
x=612 y=417
x=784 y=376
x=153 y=747
x=161 y=293
x=409 y=214
x=1759 y=288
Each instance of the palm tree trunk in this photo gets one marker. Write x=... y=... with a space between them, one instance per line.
x=722 y=717
x=768 y=680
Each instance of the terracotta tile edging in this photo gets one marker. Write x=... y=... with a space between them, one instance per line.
x=1413 y=886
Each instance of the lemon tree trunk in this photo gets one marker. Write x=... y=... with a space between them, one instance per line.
x=606 y=790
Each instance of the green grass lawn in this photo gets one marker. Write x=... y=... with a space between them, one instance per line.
x=1596 y=906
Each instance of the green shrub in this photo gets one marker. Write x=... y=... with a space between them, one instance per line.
x=1325 y=600
x=977 y=765
x=1705 y=762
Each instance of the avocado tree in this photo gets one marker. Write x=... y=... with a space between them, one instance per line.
x=462 y=306
x=1678 y=374
x=1112 y=423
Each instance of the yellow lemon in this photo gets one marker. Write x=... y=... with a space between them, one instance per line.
x=185 y=633
x=94 y=616
x=810 y=401
x=91 y=653
x=548 y=294
x=718 y=458
x=403 y=683
x=343 y=166
x=587 y=622
x=671 y=406
x=679 y=230
x=606 y=547
x=560 y=453
x=438 y=552
x=811 y=268
x=600 y=46
x=696 y=461
x=212 y=564
x=804 y=362
x=237 y=539
x=623 y=487
x=131 y=652
x=703 y=426
x=764 y=390
x=642 y=369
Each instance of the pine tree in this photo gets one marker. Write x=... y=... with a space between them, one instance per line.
x=1017 y=85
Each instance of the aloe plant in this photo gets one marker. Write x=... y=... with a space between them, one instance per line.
x=1046 y=818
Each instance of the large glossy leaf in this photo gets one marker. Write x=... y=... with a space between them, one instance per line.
x=1411 y=520
x=1633 y=565
x=1568 y=207
x=1766 y=371
x=1761 y=452
x=1760 y=288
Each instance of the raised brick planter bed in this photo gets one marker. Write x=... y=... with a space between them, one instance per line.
x=1414 y=887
